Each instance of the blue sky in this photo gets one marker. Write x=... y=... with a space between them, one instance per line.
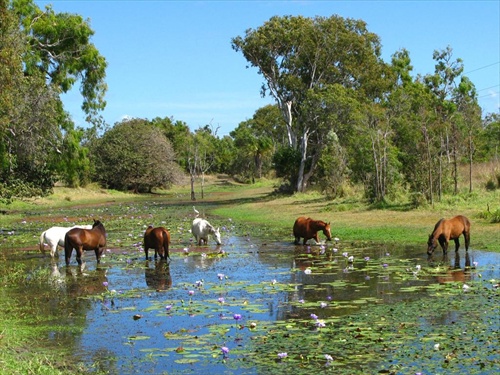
x=174 y=58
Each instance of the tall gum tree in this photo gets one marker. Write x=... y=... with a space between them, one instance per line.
x=297 y=56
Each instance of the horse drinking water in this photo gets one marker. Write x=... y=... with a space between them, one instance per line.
x=446 y=230
x=201 y=228
x=55 y=237
x=158 y=239
x=308 y=228
x=85 y=239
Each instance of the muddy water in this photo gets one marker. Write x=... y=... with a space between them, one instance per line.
x=135 y=314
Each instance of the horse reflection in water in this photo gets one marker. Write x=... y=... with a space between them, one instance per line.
x=78 y=283
x=456 y=274
x=159 y=277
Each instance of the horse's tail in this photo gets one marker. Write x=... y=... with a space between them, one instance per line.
x=41 y=243
x=166 y=241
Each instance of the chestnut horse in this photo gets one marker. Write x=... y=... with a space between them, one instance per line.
x=85 y=239
x=308 y=228
x=446 y=230
x=158 y=239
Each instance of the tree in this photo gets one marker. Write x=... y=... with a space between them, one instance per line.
x=256 y=140
x=43 y=54
x=60 y=48
x=135 y=155
x=297 y=56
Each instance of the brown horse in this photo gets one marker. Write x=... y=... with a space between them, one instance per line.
x=308 y=228
x=446 y=230
x=85 y=239
x=158 y=239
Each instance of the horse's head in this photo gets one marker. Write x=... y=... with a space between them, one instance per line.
x=326 y=232
x=216 y=234
x=431 y=244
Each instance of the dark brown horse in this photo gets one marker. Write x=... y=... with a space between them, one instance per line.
x=446 y=230
x=158 y=239
x=85 y=239
x=308 y=228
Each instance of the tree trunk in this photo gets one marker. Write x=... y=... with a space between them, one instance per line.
x=193 y=197
x=301 y=187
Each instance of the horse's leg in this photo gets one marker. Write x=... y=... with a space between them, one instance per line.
x=67 y=253
x=444 y=245
x=79 y=252
x=98 y=255
x=457 y=244
x=53 y=249
x=467 y=240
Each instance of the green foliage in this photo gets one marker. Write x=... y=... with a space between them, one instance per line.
x=42 y=54
x=134 y=155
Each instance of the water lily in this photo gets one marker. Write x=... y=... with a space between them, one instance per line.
x=221 y=300
x=105 y=283
x=335 y=249
x=282 y=355
x=168 y=307
x=186 y=250
x=199 y=283
x=367 y=258
x=220 y=276
x=225 y=350
x=350 y=259
x=320 y=323
x=328 y=357
x=436 y=346
x=418 y=267
x=475 y=264
x=301 y=301
x=237 y=316
x=314 y=316
x=336 y=239
x=465 y=287
x=385 y=265
x=345 y=254
x=307 y=271
x=191 y=292
x=323 y=304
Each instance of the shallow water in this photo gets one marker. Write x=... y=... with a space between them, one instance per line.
x=139 y=316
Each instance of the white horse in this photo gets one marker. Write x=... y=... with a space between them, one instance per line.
x=201 y=228
x=55 y=236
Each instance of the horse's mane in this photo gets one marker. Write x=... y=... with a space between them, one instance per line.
x=437 y=225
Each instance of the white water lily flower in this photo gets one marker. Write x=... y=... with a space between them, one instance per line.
x=307 y=271
x=436 y=346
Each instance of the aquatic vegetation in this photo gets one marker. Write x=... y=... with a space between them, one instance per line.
x=260 y=306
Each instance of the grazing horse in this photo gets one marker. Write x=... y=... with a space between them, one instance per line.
x=85 y=239
x=446 y=230
x=201 y=228
x=308 y=228
x=55 y=237
x=158 y=239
